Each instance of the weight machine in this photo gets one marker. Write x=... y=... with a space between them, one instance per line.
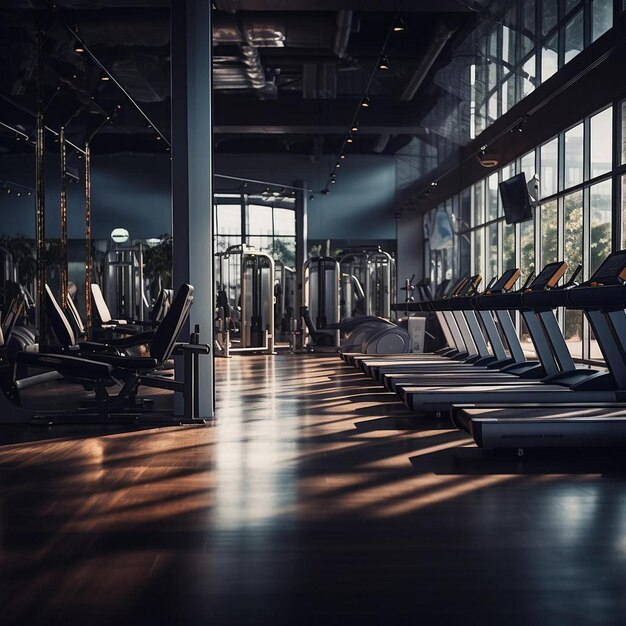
x=245 y=301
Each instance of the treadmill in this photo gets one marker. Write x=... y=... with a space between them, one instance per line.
x=501 y=363
x=561 y=378
x=454 y=338
x=603 y=301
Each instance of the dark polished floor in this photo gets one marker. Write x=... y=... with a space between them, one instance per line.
x=315 y=498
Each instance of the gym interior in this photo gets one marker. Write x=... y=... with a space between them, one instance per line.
x=313 y=312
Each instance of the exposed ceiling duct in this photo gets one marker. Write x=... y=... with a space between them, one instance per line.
x=342 y=34
x=440 y=38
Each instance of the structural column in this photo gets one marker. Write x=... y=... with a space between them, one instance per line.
x=302 y=204
x=192 y=173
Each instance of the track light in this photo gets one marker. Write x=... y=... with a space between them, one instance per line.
x=355 y=127
x=326 y=191
x=333 y=179
x=349 y=139
x=79 y=49
x=342 y=155
x=365 y=103
x=337 y=165
x=398 y=25
x=384 y=63
x=105 y=77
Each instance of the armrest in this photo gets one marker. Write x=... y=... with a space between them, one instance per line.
x=132 y=340
x=66 y=365
x=127 y=362
x=93 y=347
x=193 y=348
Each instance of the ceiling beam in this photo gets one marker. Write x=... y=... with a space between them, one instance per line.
x=381 y=6
x=315 y=129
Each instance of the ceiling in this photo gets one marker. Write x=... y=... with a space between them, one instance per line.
x=291 y=80
x=288 y=74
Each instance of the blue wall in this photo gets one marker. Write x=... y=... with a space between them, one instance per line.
x=128 y=191
x=134 y=192
x=360 y=206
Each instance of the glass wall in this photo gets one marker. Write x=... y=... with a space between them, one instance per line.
x=579 y=217
x=525 y=46
x=266 y=226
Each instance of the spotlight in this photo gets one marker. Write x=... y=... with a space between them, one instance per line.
x=433 y=184
x=105 y=77
x=158 y=137
x=311 y=197
x=29 y=193
x=333 y=178
x=384 y=63
x=398 y=25
x=19 y=193
x=326 y=191
x=338 y=165
x=79 y=49
x=349 y=139
x=342 y=155
x=276 y=194
x=355 y=127
x=8 y=190
x=365 y=103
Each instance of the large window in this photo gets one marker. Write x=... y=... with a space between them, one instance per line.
x=525 y=46
x=265 y=226
x=581 y=172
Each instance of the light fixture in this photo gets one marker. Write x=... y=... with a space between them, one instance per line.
x=349 y=139
x=384 y=63
x=333 y=179
x=355 y=127
x=120 y=235
x=365 y=103
x=342 y=155
x=433 y=184
x=79 y=49
x=105 y=77
x=326 y=191
x=19 y=193
x=338 y=165
x=398 y=25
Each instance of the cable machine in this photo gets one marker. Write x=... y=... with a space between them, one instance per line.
x=367 y=280
x=320 y=306
x=245 y=300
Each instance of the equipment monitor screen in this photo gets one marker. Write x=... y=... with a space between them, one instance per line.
x=613 y=270
x=549 y=275
x=504 y=280
x=515 y=199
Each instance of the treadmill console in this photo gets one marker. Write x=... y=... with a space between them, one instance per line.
x=505 y=282
x=612 y=271
x=549 y=276
x=470 y=286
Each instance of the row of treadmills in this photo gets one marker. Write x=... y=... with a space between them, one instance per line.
x=484 y=380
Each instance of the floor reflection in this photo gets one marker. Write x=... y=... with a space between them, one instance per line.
x=314 y=497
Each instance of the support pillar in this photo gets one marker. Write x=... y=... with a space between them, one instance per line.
x=192 y=174
x=302 y=207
